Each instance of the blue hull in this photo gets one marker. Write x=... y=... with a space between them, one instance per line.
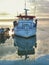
x=25 y=28
x=26 y=33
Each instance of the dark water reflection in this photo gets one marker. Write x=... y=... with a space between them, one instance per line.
x=25 y=45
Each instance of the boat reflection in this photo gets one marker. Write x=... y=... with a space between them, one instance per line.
x=25 y=46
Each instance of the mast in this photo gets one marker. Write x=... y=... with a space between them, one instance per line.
x=25 y=9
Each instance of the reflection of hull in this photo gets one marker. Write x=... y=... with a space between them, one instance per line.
x=25 y=44
x=25 y=52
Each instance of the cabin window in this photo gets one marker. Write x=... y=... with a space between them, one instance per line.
x=27 y=26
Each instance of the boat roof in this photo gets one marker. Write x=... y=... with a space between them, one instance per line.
x=24 y=16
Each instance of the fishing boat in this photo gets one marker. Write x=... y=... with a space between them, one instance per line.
x=25 y=33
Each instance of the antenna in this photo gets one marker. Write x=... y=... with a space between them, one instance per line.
x=25 y=4
x=35 y=7
x=25 y=9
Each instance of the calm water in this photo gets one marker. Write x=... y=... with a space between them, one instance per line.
x=43 y=37
x=8 y=51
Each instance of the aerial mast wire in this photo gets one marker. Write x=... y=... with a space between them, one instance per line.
x=34 y=7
